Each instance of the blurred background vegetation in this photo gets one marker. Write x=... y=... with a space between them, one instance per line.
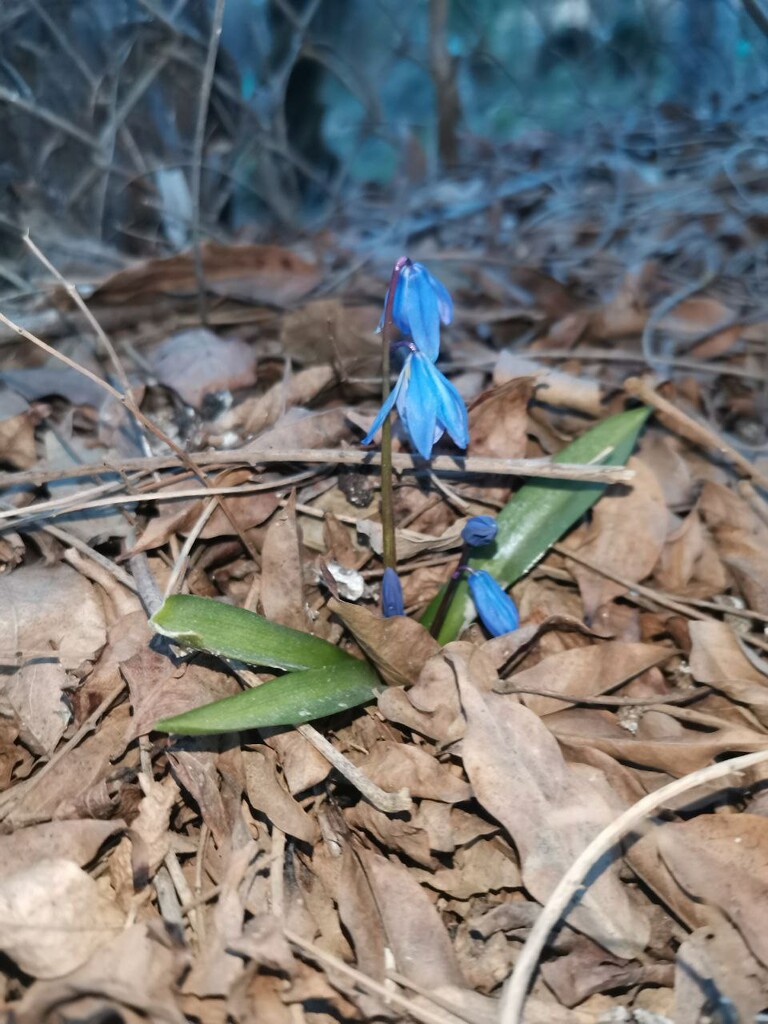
x=314 y=104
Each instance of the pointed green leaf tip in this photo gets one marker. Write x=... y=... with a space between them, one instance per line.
x=542 y=511
x=290 y=700
x=329 y=680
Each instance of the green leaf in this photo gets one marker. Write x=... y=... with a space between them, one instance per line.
x=290 y=700
x=208 y=625
x=541 y=512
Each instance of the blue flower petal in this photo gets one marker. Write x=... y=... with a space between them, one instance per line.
x=386 y=408
x=451 y=411
x=420 y=309
x=479 y=530
x=391 y=594
x=444 y=300
x=497 y=611
x=417 y=403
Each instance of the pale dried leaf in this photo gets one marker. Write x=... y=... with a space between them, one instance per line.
x=53 y=917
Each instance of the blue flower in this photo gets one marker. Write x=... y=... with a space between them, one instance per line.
x=421 y=304
x=391 y=594
x=479 y=530
x=497 y=611
x=429 y=405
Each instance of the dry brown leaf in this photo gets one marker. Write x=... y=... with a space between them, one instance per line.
x=554 y=387
x=282 y=577
x=395 y=766
x=582 y=672
x=137 y=970
x=450 y=827
x=658 y=740
x=53 y=917
x=34 y=695
x=303 y=766
x=159 y=688
x=325 y=331
x=431 y=707
x=722 y=860
x=415 y=934
x=216 y=968
x=498 y=420
x=254 y=273
x=196 y=362
x=300 y=428
x=609 y=544
x=717 y=659
x=361 y=918
x=253 y=416
x=77 y=841
x=267 y=794
x=398 y=646
x=193 y=763
x=715 y=967
x=394 y=832
x=17 y=439
x=478 y=869
x=586 y=969
x=37 y=603
x=551 y=812
x=78 y=789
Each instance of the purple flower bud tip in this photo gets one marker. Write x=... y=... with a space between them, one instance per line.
x=391 y=594
x=479 y=530
x=497 y=611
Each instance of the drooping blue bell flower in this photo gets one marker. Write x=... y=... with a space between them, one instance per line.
x=479 y=530
x=497 y=611
x=391 y=594
x=421 y=304
x=429 y=405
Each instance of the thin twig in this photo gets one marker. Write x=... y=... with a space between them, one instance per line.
x=386 y=993
x=127 y=400
x=204 y=97
x=461 y=465
x=567 y=889
x=389 y=803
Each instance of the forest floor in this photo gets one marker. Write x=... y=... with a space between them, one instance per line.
x=245 y=877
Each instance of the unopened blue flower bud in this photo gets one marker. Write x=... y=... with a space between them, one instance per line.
x=391 y=594
x=479 y=530
x=497 y=611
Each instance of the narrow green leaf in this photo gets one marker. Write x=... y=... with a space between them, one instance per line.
x=541 y=512
x=290 y=700
x=208 y=625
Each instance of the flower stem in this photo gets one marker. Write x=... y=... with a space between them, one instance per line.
x=450 y=590
x=389 y=553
